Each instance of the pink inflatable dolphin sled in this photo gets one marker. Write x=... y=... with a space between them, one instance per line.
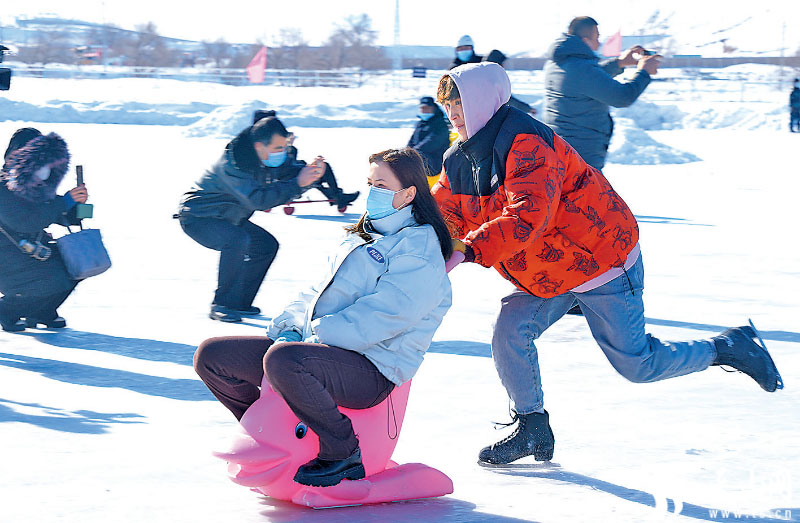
x=274 y=443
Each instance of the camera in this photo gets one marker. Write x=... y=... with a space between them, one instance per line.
x=5 y=72
x=35 y=249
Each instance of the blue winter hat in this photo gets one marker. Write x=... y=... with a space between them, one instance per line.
x=427 y=100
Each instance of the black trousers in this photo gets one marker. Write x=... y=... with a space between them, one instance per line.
x=42 y=308
x=327 y=184
x=312 y=378
x=246 y=252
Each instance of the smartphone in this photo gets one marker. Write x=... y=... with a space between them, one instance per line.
x=82 y=210
x=648 y=52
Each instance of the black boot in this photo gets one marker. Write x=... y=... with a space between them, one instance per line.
x=533 y=436
x=54 y=323
x=10 y=322
x=327 y=473
x=737 y=348
x=343 y=199
x=224 y=314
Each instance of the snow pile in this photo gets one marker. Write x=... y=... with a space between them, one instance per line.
x=652 y=117
x=633 y=146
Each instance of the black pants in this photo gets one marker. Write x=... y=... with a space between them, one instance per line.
x=311 y=377
x=794 y=121
x=327 y=184
x=42 y=308
x=246 y=252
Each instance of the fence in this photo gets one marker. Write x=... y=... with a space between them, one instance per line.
x=669 y=85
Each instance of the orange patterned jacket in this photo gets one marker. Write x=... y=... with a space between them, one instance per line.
x=529 y=206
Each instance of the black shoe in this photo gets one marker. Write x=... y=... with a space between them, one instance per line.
x=343 y=199
x=10 y=322
x=56 y=323
x=222 y=313
x=533 y=436
x=575 y=310
x=327 y=473
x=250 y=311
x=737 y=348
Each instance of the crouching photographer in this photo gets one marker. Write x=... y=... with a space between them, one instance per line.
x=33 y=278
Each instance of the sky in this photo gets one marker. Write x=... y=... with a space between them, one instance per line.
x=511 y=26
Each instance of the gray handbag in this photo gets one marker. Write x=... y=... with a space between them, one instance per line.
x=83 y=253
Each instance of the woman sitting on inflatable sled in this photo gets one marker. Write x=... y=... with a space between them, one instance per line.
x=349 y=341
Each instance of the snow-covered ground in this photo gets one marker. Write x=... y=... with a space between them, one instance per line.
x=106 y=420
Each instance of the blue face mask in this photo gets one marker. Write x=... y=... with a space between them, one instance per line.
x=425 y=116
x=379 y=203
x=275 y=159
x=464 y=55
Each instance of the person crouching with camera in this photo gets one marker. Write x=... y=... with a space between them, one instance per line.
x=33 y=279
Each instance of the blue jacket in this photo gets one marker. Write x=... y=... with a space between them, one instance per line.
x=578 y=92
x=384 y=298
x=431 y=139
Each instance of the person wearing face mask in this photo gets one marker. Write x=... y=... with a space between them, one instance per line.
x=431 y=137
x=327 y=184
x=579 y=88
x=359 y=331
x=33 y=279
x=216 y=211
x=465 y=53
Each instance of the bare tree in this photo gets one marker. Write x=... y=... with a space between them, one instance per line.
x=48 y=47
x=147 y=48
x=352 y=44
x=288 y=50
x=219 y=52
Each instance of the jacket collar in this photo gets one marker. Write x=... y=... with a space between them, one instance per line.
x=482 y=143
x=392 y=223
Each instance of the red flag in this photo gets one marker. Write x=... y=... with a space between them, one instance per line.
x=256 y=67
x=613 y=45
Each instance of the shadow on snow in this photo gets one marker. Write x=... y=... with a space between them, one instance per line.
x=79 y=421
x=640 y=496
x=80 y=374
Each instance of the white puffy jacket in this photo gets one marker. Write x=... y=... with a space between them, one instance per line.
x=383 y=299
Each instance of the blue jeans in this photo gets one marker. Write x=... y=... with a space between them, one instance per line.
x=615 y=314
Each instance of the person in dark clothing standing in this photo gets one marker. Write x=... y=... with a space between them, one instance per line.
x=327 y=184
x=794 y=107
x=33 y=278
x=465 y=53
x=579 y=88
x=248 y=177
x=431 y=137
x=499 y=58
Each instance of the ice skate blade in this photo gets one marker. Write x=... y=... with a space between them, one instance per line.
x=778 y=379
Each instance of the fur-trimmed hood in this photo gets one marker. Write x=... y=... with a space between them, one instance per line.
x=20 y=166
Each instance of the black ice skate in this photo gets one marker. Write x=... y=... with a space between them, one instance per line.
x=738 y=348
x=532 y=436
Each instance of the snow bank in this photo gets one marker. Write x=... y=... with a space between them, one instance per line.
x=633 y=146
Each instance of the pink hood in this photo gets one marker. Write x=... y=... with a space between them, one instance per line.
x=484 y=88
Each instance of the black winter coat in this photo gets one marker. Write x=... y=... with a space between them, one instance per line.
x=239 y=184
x=476 y=58
x=431 y=139
x=27 y=207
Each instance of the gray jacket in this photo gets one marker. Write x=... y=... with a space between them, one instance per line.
x=383 y=299
x=238 y=184
x=578 y=92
